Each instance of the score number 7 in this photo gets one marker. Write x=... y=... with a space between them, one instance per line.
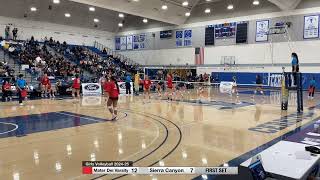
x=191 y=170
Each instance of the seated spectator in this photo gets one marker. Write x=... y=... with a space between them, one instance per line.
x=6 y=91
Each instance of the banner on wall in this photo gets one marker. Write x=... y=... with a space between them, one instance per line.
x=122 y=87
x=142 y=39
x=262 y=30
x=188 y=37
x=123 y=43
x=129 y=43
x=139 y=41
x=311 y=27
x=117 y=43
x=91 y=89
x=179 y=38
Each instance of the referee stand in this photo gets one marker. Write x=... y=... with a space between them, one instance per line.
x=292 y=81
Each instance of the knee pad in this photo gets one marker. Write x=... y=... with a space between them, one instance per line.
x=115 y=108
x=109 y=107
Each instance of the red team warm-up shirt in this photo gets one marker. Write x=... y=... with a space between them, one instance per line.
x=76 y=83
x=45 y=81
x=112 y=89
x=7 y=86
x=170 y=84
x=147 y=84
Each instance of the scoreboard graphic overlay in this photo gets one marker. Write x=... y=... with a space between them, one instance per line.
x=126 y=167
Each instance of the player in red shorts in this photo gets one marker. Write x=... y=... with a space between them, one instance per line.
x=170 y=86
x=112 y=89
x=76 y=87
x=146 y=87
x=44 y=85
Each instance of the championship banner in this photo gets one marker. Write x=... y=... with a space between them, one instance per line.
x=118 y=43
x=123 y=43
x=91 y=89
x=262 y=31
x=188 y=37
x=122 y=87
x=311 y=27
x=179 y=38
x=129 y=42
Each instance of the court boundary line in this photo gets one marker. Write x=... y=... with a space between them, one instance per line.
x=171 y=151
x=14 y=129
x=151 y=152
x=247 y=155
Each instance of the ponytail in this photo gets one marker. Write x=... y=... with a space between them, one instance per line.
x=115 y=81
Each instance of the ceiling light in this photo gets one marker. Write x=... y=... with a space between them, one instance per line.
x=120 y=25
x=208 y=0
x=33 y=9
x=230 y=6
x=92 y=9
x=121 y=15
x=187 y=14
x=145 y=20
x=135 y=0
x=164 y=7
x=56 y=1
x=185 y=3
x=207 y=10
x=256 y=2
x=95 y=20
x=67 y=15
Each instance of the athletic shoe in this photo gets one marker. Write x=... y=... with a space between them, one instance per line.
x=21 y=104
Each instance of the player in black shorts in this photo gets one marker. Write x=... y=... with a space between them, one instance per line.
x=159 y=87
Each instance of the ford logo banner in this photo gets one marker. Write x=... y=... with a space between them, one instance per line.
x=91 y=87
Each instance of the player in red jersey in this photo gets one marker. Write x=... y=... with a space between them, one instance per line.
x=44 y=85
x=146 y=87
x=112 y=89
x=170 y=86
x=76 y=87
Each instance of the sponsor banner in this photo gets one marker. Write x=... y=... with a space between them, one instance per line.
x=122 y=87
x=91 y=89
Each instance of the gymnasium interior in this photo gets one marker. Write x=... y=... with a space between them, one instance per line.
x=159 y=90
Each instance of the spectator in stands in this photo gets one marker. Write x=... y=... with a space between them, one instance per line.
x=7 y=32
x=6 y=91
x=104 y=51
x=15 y=33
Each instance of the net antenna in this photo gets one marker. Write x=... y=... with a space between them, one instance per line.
x=280 y=29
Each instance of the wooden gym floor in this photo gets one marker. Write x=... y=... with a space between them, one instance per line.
x=48 y=139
